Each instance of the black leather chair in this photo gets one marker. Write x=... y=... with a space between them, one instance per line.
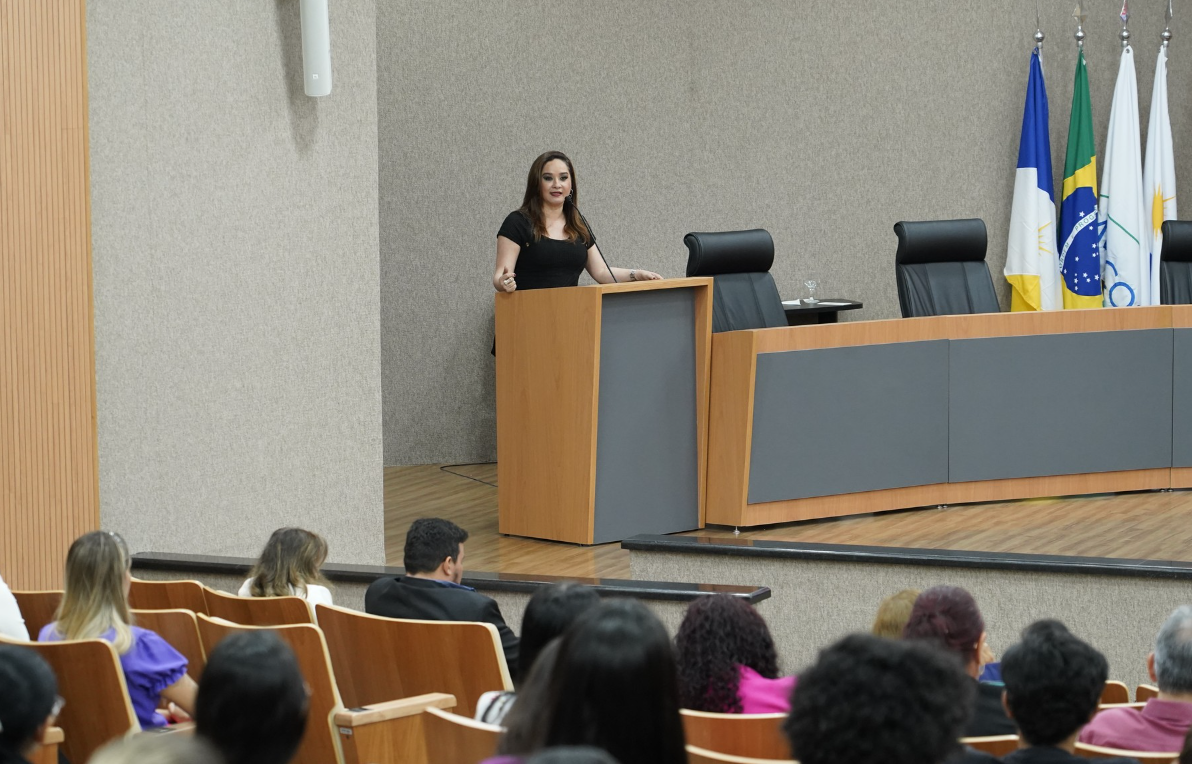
x=744 y=295
x=1175 y=263
x=941 y=268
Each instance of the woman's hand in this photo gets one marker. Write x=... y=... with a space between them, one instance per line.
x=505 y=281
x=640 y=275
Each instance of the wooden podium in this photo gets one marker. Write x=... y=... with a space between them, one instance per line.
x=602 y=409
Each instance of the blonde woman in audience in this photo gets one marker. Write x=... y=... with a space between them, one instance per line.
x=289 y=566
x=893 y=614
x=95 y=606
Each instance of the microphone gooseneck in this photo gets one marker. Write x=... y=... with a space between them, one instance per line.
x=593 y=235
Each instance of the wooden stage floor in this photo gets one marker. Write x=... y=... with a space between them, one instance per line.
x=1147 y=525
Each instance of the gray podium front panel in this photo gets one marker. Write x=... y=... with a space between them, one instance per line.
x=647 y=459
x=1181 y=405
x=1060 y=404
x=842 y=420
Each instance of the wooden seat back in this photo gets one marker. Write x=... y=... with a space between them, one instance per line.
x=320 y=743
x=38 y=608
x=1145 y=692
x=180 y=629
x=379 y=659
x=258 y=611
x=756 y=735
x=1145 y=757
x=1115 y=692
x=998 y=745
x=455 y=739
x=91 y=681
x=697 y=755
x=167 y=595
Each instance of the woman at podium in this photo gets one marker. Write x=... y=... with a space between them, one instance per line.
x=546 y=242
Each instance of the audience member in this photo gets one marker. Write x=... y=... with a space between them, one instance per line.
x=727 y=661
x=1186 y=751
x=289 y=566
x=12 y=624
x=613 y=686
x=948 y=616
x=1163 y=723
x=95 y=606
x=157 y=749
x=1053 y=685
x=871 y=700
x=28 y=703
x=893 y=614
x=572 y=754
x=252 y=702
x=550 y=611
x=431 y=589
x=521 y=723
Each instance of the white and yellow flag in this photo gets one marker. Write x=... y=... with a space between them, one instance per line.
x=1123 y=220
x=1158 y=175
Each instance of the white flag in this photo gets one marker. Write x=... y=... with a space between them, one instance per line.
x=1122 y=214
x=1158 y=179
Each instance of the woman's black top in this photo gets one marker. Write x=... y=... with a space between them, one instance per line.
x=544 y=263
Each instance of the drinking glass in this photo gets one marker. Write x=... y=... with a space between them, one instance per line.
x=811 y=285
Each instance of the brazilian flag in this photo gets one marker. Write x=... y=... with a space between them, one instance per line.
x=1080 y=257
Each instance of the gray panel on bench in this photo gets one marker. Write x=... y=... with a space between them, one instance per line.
x=647 y=464
x=841 y=420
x=1008 y=422
x=1181 y=409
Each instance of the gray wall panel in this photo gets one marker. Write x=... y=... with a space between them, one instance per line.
x=699 y=115
x=1181 y=408
x=1007 y=420
x=647 y=463
x=841 y=420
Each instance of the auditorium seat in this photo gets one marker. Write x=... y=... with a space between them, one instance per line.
x=1115 y=692
x=47 y=752
x=1175 y=263
x=1144 y=757
x=91 y=681
x=940 y=268
x=180 y=629
x=167 y=595
x=756 y=735
x=1145 y=692
x=257 y=611
x=697 y=755
x=998 y=745
x=377 y=658
x=744 y=295
x=38 y=608
x=455 y=739
x=382 y=733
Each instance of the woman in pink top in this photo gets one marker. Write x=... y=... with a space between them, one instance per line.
x=727 y=661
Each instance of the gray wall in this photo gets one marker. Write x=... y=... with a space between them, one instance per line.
x=825 y=123
x=235 y=245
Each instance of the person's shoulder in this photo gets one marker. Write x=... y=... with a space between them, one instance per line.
x=516 y=226
x=49 y=633
x=245 y=588
x=317 y=594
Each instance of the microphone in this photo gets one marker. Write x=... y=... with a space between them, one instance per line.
x=593 y=235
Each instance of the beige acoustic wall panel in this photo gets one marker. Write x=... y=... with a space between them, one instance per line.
x=48 y=472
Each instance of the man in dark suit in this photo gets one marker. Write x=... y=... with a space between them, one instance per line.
x=1053 y=685
x=431 y=589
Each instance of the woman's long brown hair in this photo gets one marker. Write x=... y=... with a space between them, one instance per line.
x=291 y=560
x=573 y=224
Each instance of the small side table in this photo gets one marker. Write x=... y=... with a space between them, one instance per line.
x=826 y=311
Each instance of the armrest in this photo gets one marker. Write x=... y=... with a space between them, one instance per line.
x=54 y=736
x=182 y=728
x=393 y=709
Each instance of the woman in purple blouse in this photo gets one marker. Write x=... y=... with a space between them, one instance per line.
x=95 y=606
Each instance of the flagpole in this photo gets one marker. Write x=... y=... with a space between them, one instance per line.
x=1166 y=36
x=1124 y=35
x=1078 y=14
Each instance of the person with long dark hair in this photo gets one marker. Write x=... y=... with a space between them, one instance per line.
x=289 y=566
x=727 y=661
x=613 y=686
x=546 y=242
x=948 y=617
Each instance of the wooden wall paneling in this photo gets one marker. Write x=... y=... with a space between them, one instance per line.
x=49 y=489
x=1059 y=322
x=730 y=426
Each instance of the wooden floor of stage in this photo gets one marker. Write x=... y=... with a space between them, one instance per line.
x=1147 y=525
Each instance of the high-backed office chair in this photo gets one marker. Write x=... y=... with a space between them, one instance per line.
x=744 y=295
x=1175 y=263
x=941 y=270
